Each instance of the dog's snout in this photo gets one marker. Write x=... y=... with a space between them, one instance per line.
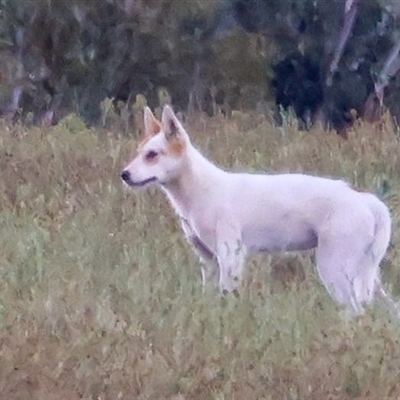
x=126 y=176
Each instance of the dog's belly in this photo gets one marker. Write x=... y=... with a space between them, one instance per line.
x=271 y=239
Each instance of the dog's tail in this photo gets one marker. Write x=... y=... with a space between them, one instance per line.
x=383 y=229
x=383 y=226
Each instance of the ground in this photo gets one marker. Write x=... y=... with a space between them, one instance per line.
x=101 y=296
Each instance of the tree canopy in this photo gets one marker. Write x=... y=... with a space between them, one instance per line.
x=326 y=60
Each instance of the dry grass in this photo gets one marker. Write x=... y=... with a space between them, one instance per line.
x=101 y=299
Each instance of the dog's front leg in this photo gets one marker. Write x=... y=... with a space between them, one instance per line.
x=209 y=273
x=231 y=255
x=209 y=263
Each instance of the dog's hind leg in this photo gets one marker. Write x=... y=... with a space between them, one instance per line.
x=348 y=270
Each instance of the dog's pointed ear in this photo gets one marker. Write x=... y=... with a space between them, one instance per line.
x=171 y=125
x=151 y=124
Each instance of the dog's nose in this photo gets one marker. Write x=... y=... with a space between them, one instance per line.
x=126 y=176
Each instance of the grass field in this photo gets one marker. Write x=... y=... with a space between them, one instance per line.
x=100 y=296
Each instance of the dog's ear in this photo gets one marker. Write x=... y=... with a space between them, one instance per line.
x=151 y=124
x=171 y=125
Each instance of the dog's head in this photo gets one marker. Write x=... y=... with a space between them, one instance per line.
x=161 y=153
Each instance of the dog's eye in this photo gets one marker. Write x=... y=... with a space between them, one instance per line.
x=151 y=155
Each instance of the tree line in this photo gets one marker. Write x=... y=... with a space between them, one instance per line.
x=328 y=61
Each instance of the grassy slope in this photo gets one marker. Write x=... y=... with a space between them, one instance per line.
x=100 y=296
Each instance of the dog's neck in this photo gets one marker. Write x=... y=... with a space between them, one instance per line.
x=194 y=184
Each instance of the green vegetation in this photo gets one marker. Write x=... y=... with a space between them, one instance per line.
x=101 y=296
x=322 y=59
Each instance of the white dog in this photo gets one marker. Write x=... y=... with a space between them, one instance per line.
x=227 y=216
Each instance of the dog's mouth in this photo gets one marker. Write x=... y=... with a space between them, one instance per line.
x=126 y=177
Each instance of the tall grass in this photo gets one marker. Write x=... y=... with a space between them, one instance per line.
x=100 y=296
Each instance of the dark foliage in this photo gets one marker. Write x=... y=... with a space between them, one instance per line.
x=322 y=59
x=71 y=56
x=332 y=56
x=297 y=83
